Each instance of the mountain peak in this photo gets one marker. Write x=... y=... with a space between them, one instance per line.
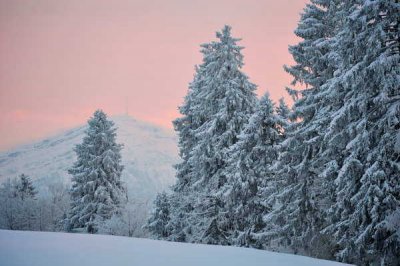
x=148 y=155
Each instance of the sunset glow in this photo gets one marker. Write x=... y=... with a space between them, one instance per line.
x=61 y=60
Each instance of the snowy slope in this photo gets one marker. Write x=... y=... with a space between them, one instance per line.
x=148 y=156
x=44 y=249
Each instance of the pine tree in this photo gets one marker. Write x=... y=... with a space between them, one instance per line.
x=97 y=191
x=250 y=175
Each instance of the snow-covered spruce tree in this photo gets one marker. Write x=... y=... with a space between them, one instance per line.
x=185 y=126
x=158 y=223
x=192 y=118
x=97 y=192
x=181 y=206
x=300 y=200
x=227 y=101
x=282 y=109
x=250 y=176
x=365 y=128
x=219 y=103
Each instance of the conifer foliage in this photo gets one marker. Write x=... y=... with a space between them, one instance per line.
x=300 y=204
x=251 y=175
x=367 y=184
x=220 y=101
x=97 y=192
x=340 y=152
x=321 y=178
x=159 y=219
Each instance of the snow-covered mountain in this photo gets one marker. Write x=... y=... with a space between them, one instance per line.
x=148 y=155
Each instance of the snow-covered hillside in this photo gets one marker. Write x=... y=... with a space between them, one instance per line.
x=62 y=249
x=148 y=155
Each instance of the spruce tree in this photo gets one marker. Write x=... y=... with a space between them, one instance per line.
x=365 y=127
x=341 y=151
x=282 y=109
x=300 y=201
x=160 y=216
x=227 y=102
x=186 y=126
x=182 y=198
x=97 y=191
x=284 y=113
x=219 y=103
x=251 y=176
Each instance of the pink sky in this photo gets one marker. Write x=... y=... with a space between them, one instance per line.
x=61 y=60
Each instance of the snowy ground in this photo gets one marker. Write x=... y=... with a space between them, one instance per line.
x=44 y=249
